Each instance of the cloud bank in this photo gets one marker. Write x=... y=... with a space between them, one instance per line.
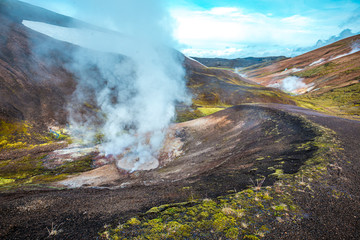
x=233 y=32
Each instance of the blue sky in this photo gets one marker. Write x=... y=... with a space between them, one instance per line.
x=231 y=28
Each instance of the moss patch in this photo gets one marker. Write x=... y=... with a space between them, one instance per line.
x=23 y=149
x=198 y=111
x=29 y=170
x=18 y=135
x=321 y=70
x=343 y=101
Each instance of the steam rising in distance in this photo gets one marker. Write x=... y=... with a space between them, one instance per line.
x=135 y=93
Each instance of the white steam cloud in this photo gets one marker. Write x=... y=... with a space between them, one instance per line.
x=135 y=94
x=291 y=84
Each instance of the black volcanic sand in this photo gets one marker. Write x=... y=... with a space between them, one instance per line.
x=220 y=156
x=329 y=217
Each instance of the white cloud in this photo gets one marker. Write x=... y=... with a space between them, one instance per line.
x=230 y=28
x=228 y=52
x=232 y=11
x=297 y=21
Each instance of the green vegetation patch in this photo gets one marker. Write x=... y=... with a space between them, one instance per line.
x=343 y=101
x=321 y=70
x=29 y=171
x=23 y=152
x=198 y=111
x=18 y=135
x=208 y=110
x=244 y=214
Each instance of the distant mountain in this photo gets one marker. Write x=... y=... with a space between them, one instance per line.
x=328 y=78
x=321 y=43
x=238 y=62
x=335 y=65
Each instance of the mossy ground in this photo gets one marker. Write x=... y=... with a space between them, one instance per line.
x=198 y=111
x=23 y=149
x=16 y=135
x=28 y=171
x=249 y=214
x=319 y=71
x=344 y=102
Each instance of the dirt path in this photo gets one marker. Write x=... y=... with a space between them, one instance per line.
x=81 y=213
x=330 y=218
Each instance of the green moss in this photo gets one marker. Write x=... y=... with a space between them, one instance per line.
x=4 y=181
x=230 y=217
x=29 y=170
x=199 y=111
x=251 y=237
x=342 y=102
x=47 y=178
x=278 y=173
x=133 y=221
x=80 y=165
x=232 y=233
x=208 y=111
x=13 y=135
x=188 y=115
x=20 y=135
x=321 y=70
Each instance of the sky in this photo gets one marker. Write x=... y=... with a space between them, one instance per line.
x=242 y=28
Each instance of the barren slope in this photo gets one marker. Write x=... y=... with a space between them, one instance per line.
x=321 y=70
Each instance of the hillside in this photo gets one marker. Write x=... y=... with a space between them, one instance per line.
x=327 y=78
x=216 y=89
x=321 y=70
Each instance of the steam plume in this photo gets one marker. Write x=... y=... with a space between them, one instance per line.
x=136 y=93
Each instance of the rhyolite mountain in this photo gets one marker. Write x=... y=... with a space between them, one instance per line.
x=262 y=168
x=330 y=77
x=325 y=68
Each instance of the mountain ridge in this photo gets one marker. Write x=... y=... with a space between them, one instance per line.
x=238 y=62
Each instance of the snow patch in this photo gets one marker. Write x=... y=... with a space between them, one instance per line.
x=296 y=69
x=321 y=60
x=354 y=48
